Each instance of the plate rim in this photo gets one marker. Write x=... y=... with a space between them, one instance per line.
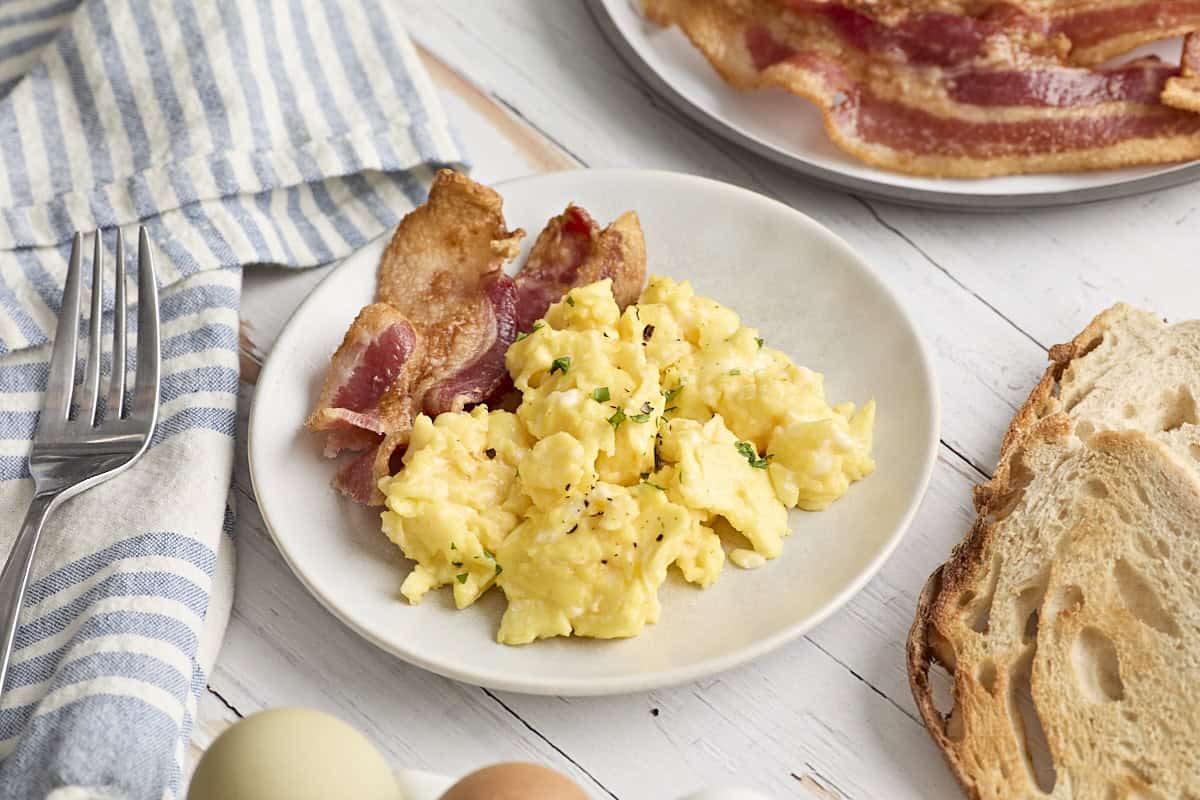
x=658 y=679
x=922 y=198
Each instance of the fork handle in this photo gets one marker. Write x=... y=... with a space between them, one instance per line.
x=15 y=576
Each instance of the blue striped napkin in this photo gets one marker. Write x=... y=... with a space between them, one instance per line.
x=239 y=132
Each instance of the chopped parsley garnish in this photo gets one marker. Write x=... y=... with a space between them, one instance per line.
x=537 y=326
x=647 y=332
x=560 y=364
x=640 y=418
x=461 y=577
x=453 y=546
x=759 y=340
x=488 y=553
x=750 y=454
x=570 y=301
x=499 y=568
x=671 y=394
x=490 y=452
x=601 y=394
x=735 y=372
x=616 y=419
x=456 y=563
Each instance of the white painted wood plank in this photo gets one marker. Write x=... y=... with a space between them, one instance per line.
x=1051 y=271
x=212 y=717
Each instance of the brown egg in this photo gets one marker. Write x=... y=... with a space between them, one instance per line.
x=515 y=781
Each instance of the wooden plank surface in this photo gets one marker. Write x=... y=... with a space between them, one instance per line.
x=532 y=86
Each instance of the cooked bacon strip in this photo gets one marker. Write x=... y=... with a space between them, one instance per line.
x=435 y=266
x=1086 y=31
x=441 y=271
x=483 y=378
x=359 y=480
x=1100 y=33
x=1139 y=81
x=380 y=351
x=890 y=98
x=572 y=251
x=934 y=38
x=1184 y=91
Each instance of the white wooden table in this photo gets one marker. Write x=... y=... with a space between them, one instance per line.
x=533 y=86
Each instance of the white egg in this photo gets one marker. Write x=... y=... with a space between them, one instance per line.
x=292 y=754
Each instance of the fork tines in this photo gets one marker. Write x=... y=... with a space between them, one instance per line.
x=61 y=392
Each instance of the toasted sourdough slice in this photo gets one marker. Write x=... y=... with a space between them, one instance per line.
x=1078 y=586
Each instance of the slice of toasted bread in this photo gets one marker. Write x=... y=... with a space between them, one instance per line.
x=1069 y=617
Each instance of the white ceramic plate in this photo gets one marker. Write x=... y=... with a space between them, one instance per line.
x=810 y=295
x=788 y=130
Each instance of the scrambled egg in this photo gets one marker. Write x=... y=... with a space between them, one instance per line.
x=643 y=440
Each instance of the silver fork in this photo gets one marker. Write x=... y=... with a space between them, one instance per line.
x=69 y=455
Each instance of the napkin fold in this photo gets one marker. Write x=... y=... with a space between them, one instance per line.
x=238 y=132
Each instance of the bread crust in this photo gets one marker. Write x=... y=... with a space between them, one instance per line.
x=1040 y=419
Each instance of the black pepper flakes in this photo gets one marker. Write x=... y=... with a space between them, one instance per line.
x=490 y=452
x=568 y=488
x=654 y=712
x=574 y=528
x=658 y=538
x=647 y=332
x=604 y=561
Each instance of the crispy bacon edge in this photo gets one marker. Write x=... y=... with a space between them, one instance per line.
x=1183 y=92
x=572 y=251
x=1056 y=117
